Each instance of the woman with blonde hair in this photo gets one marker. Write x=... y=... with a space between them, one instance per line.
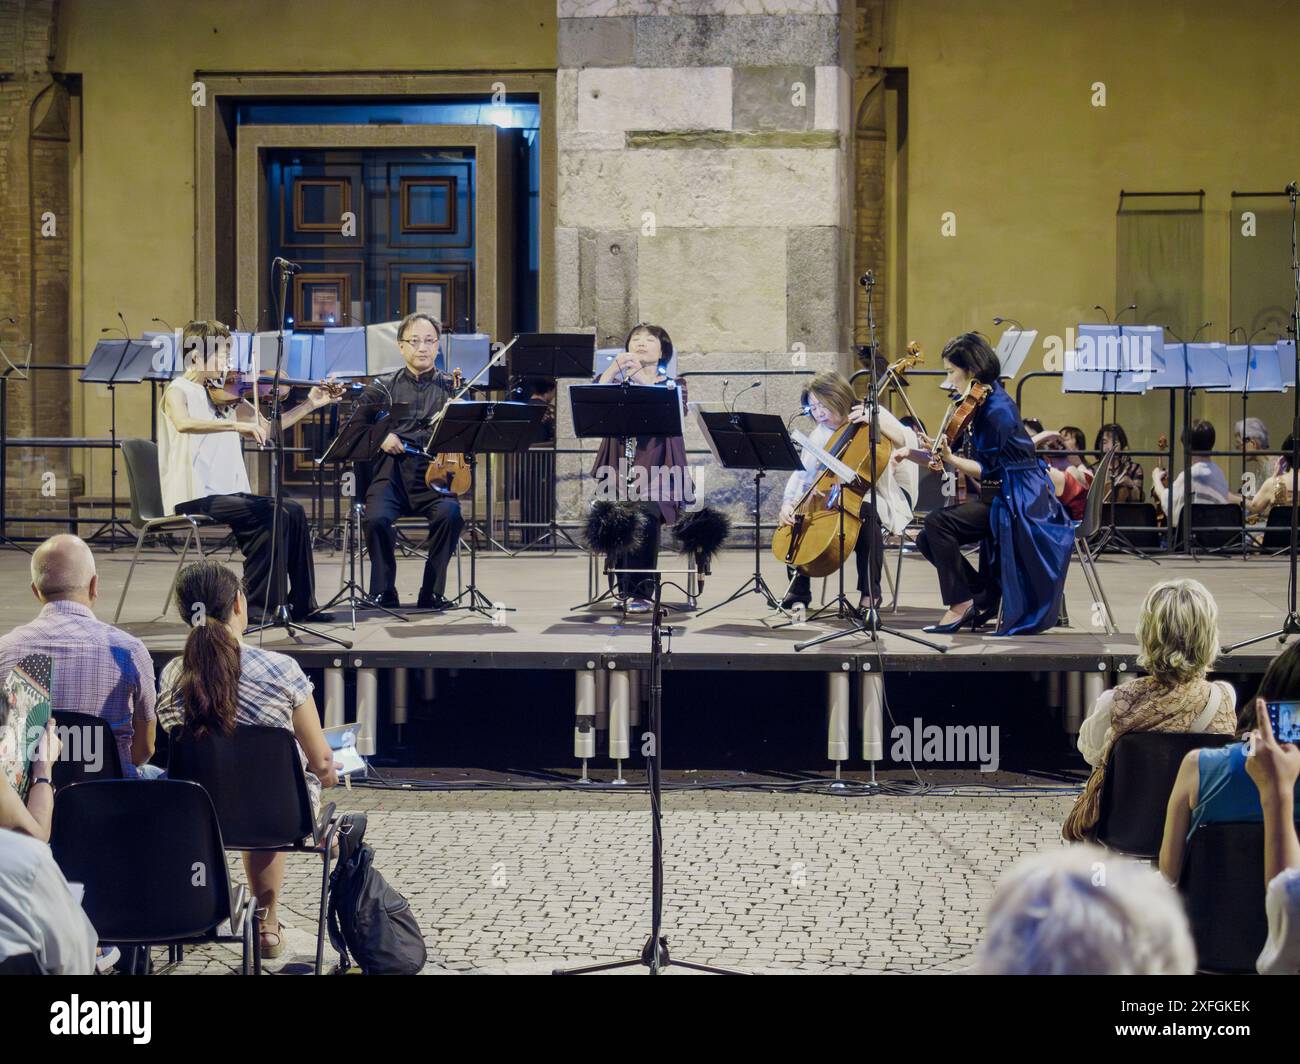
x=1178 y=631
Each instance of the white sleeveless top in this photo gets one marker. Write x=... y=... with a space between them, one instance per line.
x=193 y=465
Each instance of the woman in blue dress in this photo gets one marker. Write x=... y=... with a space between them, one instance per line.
x=1025 y=536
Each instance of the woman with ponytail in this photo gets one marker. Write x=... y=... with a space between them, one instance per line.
x=220 y=682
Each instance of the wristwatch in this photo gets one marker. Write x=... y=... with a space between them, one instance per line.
x=42 y=779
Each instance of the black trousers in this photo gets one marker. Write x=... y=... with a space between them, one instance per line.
x=250 y=518
x=397 y=491
x=645 y=556
x=946 y=531
x=870 y=553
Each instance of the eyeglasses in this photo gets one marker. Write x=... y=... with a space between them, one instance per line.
x=421 y=341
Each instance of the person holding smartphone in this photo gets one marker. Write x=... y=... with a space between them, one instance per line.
x=1274 y=764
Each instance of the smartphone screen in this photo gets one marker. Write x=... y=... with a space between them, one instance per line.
x=1285 y=718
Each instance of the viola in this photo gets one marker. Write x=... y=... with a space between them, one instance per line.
x=449 y=471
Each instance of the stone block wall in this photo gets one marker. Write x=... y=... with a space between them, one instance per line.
x=704 y=184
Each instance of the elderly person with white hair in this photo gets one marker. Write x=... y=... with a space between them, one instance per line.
x=1252 y=437
x=98 y=669
x=1178 y=633
x=1080 y=910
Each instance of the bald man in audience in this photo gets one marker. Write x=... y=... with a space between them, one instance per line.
x=98 y=669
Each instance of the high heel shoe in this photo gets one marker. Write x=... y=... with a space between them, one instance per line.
x=974 y=617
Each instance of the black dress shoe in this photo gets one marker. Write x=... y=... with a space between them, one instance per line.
x=430 y=601
x=387 y=599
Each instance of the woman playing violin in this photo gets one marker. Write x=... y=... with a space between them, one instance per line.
x=1025 y=536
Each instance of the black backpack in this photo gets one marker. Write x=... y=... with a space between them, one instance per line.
x=367 y=918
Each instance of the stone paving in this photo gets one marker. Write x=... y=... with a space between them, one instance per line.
x=520 y=882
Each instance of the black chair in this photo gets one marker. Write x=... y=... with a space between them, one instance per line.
x=148 y=514
x=1277 y=540
x=79 y=733
x=1136 y=787
x=256 y=781
x=1088 y=529
x=1132 y=518
x=1216 y=527
x=1222 y=884
x=150 y=855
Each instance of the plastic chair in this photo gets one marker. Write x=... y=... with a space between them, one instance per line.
x=1136 y=787
x=150 y=855
x=258 y=787
x=91 y=733
x=149 y=516
x=1222 y=884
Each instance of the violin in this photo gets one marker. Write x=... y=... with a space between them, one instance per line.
x=959 y=416
x=812 y=544
x=449 y=471
x=233 y=388
x=1161 y=444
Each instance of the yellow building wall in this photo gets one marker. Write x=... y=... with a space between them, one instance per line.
x=1002 y=132
x=134 y=242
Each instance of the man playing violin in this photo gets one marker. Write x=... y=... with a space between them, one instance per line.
x=397 y=475
x=1025 y=536
x=201 y=468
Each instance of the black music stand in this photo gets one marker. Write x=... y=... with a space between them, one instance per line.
x=483 y=428
x=358 y=441
x=623 y=412
x=553 y=355
x=749 y=441
x=115 y=362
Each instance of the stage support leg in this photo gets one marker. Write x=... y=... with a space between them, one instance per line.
x=428 y=685
x=871 y=700
x=620 y=688
x=837 y=718
x=401 y=700
x=1092 y=685
x=602 y=699
x=367 y=710
x=334 y=700
x=635 y=690
x=584 y=717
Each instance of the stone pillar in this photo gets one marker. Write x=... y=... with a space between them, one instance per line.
x=704 y=185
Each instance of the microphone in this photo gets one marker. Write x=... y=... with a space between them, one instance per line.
x=1000 y=321
x=736 y=397
x=867 y=280
x=159 y=321
x=239 y=321
x=1104 y=311
x=1291 y=189
x=1131 y=306
x=125 y=329
x=113 y=328
x=285 y=265
x=1198 y=332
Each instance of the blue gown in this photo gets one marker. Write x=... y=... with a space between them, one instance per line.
x=1032 y=537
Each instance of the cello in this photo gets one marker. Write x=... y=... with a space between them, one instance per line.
x=812 y=544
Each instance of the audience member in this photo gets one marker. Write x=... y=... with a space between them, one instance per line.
x=98 y=669
x=1178 y=633
x=1252 y=437
x=1209 y=485
x=221 y=682
x=1278 y=489
x=1080 y=910
x=1275 y=768
x=1124 y=482
x=1212 y=785
x=39 y=917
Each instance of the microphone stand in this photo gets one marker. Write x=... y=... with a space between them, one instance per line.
x=1291 y=622
x=867 y=622
x=279 y=571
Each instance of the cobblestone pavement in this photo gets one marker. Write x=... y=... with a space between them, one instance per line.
x=520 y=882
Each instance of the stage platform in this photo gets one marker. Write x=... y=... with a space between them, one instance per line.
x=546 y=630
